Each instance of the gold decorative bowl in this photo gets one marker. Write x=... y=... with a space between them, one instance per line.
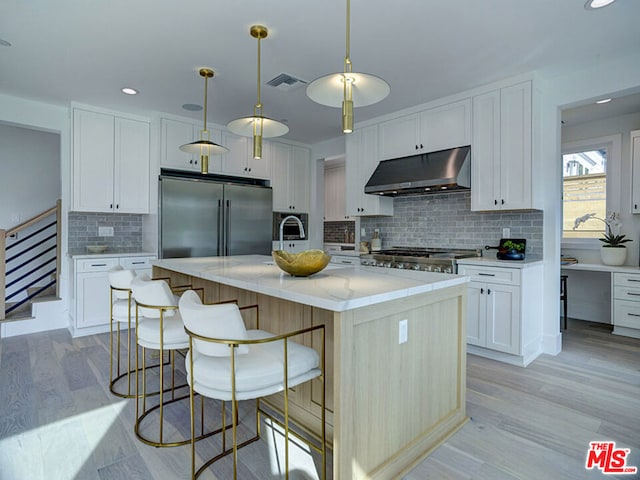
x=301 y=264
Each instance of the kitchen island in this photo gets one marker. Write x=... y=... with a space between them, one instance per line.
x=390 y=401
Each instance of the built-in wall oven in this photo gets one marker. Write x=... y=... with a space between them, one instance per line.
x=290 y=229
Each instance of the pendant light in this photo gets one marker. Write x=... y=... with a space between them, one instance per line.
x=257 y=125
x=348 y=89
x=204 y=147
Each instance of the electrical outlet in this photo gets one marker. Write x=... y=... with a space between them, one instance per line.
x=506 y=232
x=105 y=231
x=403 y=331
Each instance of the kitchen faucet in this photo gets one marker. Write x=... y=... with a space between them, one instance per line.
x=282 y=226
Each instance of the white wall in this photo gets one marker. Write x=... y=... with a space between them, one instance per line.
x=592 y=82
x=589 y=297
x=30 y=180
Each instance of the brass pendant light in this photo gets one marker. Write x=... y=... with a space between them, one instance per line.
x=204 y=147
x=257 y=125
x=348 y=89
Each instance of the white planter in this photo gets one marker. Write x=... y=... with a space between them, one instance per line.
x=613 y=255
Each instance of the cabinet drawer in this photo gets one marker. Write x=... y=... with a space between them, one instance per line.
x=96 y=264
x=627 y=279
x=506 y=276
x=631 y=294
x=136 y=263
x=626 y=314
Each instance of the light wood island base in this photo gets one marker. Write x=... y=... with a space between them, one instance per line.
x=388 y=404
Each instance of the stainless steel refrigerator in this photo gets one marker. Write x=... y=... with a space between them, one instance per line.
x=201 y=217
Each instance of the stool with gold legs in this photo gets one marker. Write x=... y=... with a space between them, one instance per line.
x=229 y=363
x=159 y=328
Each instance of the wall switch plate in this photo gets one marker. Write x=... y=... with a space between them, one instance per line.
x=506 y=232
x=363 y=232
x=403 y=331
x=105 y=231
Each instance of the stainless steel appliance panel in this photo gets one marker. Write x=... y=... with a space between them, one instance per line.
x=211 y=217
x=247 y=220
x=189 y=217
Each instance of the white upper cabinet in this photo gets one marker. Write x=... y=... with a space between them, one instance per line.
x=447 y=126
x=431 y=130
x=290 y=168
x=501 y=167
x=361 y=161
x=334 y=194
x=399 y=137
x=110 y=163
x=635 y=168
x=176 y=133
x=240 y=162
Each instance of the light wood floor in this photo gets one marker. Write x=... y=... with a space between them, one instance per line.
x=58 y=420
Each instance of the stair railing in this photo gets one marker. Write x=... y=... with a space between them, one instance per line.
x=26 y=262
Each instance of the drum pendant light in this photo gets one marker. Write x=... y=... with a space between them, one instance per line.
x=348 y=89
x=204 y=147
x=257 y=125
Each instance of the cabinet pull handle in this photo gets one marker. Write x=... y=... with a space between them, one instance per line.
x=488 y=291
x=632 y=280
x=487 y=274
x=98 y=264
x=137 y=263
x=633 y=294
x=495 y=202
x=633 y=314
x=481 y=291
x=503 y=201
x=345 y=261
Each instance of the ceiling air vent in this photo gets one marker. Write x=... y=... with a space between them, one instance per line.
x=286 y=82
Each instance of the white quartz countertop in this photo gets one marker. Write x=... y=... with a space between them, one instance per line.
x=492 y=261
x=597 y=267
x=110 y=254
x=337 y=288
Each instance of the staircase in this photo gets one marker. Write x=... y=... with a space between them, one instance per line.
x=30 y=265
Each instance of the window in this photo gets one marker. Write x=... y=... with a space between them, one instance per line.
x=590 y=184
x=584 y=191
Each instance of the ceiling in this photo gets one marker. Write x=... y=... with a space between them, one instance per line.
x=70 y=50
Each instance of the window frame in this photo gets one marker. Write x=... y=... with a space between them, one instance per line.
x=613 y=144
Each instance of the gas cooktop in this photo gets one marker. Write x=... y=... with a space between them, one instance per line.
x=417 y=258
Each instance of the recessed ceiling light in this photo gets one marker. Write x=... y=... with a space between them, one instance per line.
x=4 y=43
x=192 y=107
x=604 y=100
x=593 y=4
x=129 y=91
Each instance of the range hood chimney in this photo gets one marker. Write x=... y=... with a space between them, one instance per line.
x=436 y=172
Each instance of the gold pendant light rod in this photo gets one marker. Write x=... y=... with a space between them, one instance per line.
x=204 y=147
x=257 y=125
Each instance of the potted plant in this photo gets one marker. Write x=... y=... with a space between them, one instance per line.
x=510 y=250
x=612 y=251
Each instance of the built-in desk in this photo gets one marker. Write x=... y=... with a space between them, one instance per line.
x=625 y=295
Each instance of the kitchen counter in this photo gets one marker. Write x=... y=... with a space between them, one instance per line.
x=124 y=252
x=337 y=288
x=395 y=343
x=598 y=267
x=492 y=261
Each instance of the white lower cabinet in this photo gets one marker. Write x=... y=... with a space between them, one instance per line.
x=626 y=304
x=504 y=313
x=91 y=290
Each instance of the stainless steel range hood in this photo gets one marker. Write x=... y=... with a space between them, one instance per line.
x=436 y=172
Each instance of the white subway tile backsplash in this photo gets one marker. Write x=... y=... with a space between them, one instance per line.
x=447 y=220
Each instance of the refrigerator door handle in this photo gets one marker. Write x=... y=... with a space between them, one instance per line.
x=220 y=231
x=227 y=230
